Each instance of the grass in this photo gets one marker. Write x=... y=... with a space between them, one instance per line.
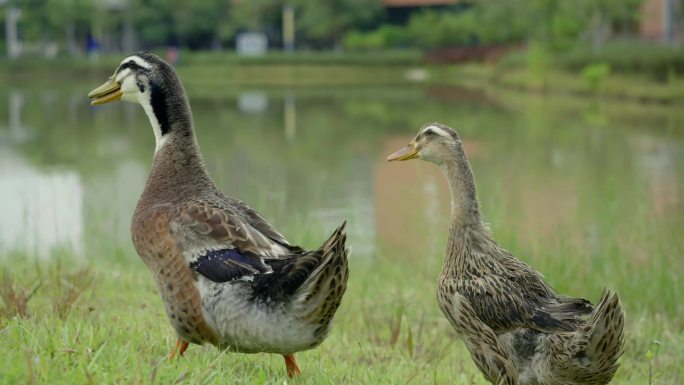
x=103 y=322
x=226 y=69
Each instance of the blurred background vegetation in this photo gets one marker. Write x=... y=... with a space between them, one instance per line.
x=349 y=24
x=575 y=32
x=525 y=44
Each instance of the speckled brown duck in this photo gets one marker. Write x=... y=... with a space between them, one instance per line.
x=517 y=329
x=226 y=276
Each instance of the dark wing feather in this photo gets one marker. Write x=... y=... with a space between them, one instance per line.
x=246 y=242
x=288 y=276
x=227 y=265
x=503 y=304
x=569 y=308
x=300 y=274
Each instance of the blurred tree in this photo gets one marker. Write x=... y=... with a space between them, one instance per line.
x=387 y=36
x=503 y=22
x=322 y=23
x=553 y=23
x=56 y=21
x=193 y=24
x=435 y=29
x=202 y=24
x=255 y=15
x=610 y=16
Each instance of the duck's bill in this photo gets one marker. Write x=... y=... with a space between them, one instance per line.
x=406 y=153
x=110 y=91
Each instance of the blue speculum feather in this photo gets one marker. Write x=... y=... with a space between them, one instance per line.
x=226 y=265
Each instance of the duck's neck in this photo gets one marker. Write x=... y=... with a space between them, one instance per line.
x=178 y=168
x=466 y=223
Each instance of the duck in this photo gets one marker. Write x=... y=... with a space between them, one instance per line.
x=517 y=329
x=227 y=276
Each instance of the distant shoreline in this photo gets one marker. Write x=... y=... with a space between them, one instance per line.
x=339 y=69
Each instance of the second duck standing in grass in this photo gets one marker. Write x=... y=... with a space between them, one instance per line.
x=227 y=276
x=517 y=329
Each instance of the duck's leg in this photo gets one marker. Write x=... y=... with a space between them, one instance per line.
x=180 y=347
x=482 y=344
x=183 y=347
x=291 y=365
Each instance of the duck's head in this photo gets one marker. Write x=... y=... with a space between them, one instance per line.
x=146 y=79
x=435 y=143
x=137 y=79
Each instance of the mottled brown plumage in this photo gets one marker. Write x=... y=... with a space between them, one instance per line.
x=226 y=276
x=517 y=329
x=175 y=281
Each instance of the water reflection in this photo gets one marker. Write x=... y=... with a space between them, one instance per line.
x=40 y=210
x=307 y=159
x=253 y=102
x=290 y=117
x=17 y=131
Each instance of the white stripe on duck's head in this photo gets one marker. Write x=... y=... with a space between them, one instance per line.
x=133 y=80
x=146 y=79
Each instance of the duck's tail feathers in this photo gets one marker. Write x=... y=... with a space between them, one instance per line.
x=321 y=294
x=593 y=350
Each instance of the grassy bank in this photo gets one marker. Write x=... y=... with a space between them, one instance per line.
x=102 y=322
x=230 y=70
x=226 y=70
x=639 y=88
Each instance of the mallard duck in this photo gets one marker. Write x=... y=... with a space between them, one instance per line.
x=226 y=276
x=515 y=326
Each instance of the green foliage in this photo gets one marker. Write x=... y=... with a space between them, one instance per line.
x=502 y=21
x=490 y=23
x=628 y=57
x=359 y=41
x=595 y=74
x=203 y=24
x=198 y=24
x=560 y=24
x=325 y=22
x=435 y=29
x=49 y=20
x=555 y=24
x=385 y=37
x=315 y=61
x=161 y=22
x=538 y=62
x=650 y=358
x=253 y=15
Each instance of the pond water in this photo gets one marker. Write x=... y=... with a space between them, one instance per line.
x=585 y=174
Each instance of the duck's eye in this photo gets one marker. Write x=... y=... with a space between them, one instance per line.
x=429 y=132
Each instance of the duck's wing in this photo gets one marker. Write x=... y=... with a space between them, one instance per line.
x=259 y=223
x=508 y=301
x=225 y=242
